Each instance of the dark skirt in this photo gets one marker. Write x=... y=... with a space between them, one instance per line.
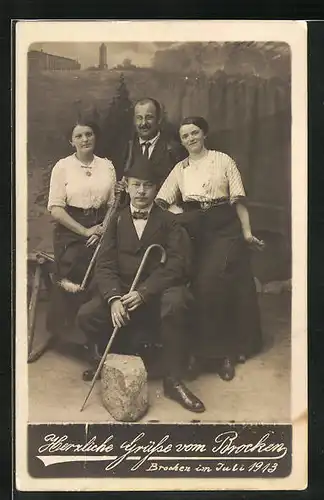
x=71 y=254
x=72 y=259
x=226 y=315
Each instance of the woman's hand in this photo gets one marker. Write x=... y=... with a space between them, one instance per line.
x=254 y=242
x=93 y=234
x=93 y=240
x=132 y=300
x=119 y=314
x=94 y=230
x=243 y=214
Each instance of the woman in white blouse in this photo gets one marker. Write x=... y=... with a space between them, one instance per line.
x=208 y=187
x=81 y=188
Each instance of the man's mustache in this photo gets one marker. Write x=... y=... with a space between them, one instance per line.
x=144 y=127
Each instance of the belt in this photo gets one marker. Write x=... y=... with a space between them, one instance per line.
x=206 y=205
x=86 y=211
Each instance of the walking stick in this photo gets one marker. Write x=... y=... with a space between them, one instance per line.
x=132 y=288
x=75 y=288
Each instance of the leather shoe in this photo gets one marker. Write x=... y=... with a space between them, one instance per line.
x=88 y=375
x=226 y=370
x=241 y=358
x=176 y=390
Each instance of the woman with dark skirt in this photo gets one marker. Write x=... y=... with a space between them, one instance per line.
x=208 y=187
x=81 y=189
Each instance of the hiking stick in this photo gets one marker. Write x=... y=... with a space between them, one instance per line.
x=132 y=288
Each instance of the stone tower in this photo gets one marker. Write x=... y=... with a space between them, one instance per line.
x=103 y=56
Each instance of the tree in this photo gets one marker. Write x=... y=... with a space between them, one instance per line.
x=127 y=63
x=169 y=129
x=117 y=127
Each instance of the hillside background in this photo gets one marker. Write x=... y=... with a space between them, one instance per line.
x=243 y=90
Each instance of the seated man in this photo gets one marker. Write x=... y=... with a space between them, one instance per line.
x=161 y=299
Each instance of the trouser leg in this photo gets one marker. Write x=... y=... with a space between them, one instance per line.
x=94 y=320
x=175 y=306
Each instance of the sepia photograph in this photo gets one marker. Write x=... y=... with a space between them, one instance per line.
x=159 y=255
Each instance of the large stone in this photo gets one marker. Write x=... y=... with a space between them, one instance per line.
x=124 y=387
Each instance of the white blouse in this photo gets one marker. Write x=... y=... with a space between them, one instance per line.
x=82 y=186
x=212 y=177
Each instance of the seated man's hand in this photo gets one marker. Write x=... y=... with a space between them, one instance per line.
x=132 y=300
x=119 y=314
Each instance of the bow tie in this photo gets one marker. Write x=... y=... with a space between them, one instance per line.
x=137 y=214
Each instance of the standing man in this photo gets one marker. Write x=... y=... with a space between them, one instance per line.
x=151 y=142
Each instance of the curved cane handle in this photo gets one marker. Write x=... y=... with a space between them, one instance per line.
x=144 y=259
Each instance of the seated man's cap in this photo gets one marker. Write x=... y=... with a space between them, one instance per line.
x=142 y=169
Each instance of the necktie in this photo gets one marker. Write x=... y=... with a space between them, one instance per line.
x=147 y=145
x=137 y=214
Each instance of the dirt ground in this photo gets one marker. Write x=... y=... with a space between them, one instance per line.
x=260 y=392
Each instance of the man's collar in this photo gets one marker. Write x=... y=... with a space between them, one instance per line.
x=152 y=141
x=147 y=209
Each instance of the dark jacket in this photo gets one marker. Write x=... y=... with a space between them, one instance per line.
x=121 y=253
x=165 y=155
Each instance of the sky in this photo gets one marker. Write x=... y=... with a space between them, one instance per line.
x=87 y=54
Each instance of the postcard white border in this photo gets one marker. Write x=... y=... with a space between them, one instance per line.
x=295 y=34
